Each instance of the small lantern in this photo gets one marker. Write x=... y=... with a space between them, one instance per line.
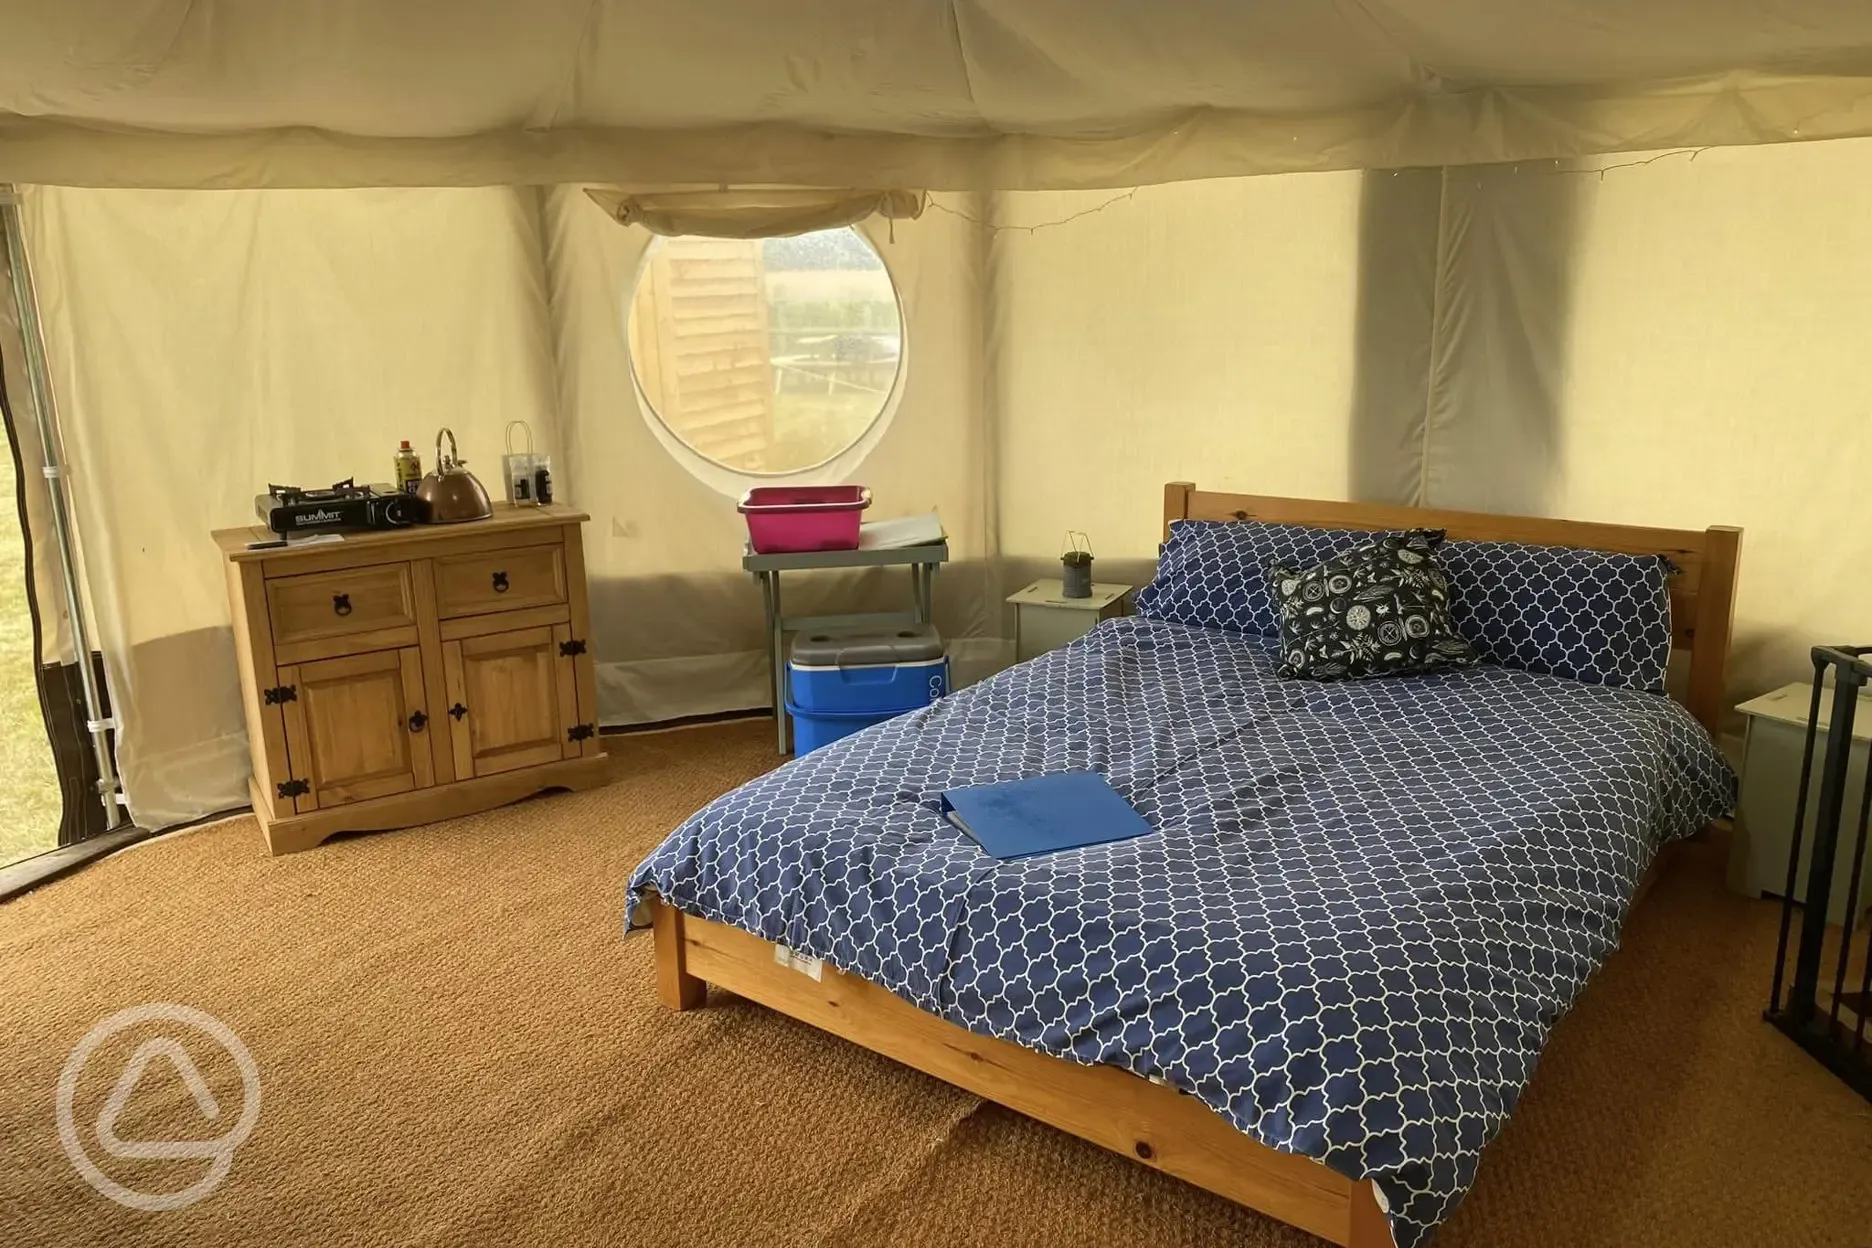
x=1076 y=566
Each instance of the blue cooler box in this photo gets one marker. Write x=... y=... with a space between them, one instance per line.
x=841 y=682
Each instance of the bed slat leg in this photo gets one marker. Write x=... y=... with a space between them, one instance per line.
x=1369 y=1226
x=675 y=985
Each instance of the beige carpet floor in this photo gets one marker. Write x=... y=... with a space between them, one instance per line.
x=455 y=1047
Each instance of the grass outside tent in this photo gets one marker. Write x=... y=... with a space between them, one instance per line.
x=29 y=795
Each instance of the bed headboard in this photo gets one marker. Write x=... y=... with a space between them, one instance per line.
x=1702 y=597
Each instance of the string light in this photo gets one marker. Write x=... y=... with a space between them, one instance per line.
x=1043 y=225
x=1691 y=153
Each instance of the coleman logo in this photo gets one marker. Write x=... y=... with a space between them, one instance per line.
x=321 y=516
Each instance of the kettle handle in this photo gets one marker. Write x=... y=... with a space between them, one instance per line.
x=444 y=462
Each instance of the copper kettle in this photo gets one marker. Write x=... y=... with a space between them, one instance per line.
x=450 y=493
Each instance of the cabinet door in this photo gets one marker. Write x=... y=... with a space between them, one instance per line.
x=357 y=728
x=513 y=700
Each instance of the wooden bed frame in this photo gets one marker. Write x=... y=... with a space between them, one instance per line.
x=1152 y=1122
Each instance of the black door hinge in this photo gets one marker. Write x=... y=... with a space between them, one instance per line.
x=281 y=693
x=581 y=732
x=569 y=648
x=294 y=788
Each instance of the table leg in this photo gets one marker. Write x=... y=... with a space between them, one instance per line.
x=920 y=591
x=776 y=653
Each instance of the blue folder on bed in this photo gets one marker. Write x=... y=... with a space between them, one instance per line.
x=1043 y=814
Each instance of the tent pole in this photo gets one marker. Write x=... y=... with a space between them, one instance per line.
x=59 y=490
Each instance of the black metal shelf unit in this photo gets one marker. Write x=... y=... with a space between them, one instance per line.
x=1831 y=1025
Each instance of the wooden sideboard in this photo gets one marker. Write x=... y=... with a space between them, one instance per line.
x=405 y=676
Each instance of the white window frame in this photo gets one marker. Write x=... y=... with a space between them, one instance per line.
x=732 y=482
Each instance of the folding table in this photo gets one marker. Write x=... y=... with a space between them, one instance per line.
x=921 y=560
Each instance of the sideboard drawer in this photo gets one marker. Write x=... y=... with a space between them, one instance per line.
x=322 y=605
x=500 y=580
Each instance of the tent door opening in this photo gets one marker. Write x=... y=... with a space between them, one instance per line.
x=56 y=727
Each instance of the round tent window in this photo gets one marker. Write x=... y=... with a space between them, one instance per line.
x=766 y=356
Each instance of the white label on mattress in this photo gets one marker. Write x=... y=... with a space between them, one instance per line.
x=783 y=955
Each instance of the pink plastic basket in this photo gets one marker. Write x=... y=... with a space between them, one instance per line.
x=793 y=519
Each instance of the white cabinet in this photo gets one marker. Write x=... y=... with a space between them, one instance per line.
x=1045 y=619
x=1771 y=767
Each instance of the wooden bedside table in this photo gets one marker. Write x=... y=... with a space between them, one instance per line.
x=1045 y=619
x=1771 y=764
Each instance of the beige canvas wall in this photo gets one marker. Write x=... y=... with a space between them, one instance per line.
x=205 y=344
x=1703 y=362
x=1675 y=343
x=1202 y=330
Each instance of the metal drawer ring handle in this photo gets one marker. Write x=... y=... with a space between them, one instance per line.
x=500 y=582
x=341 y=603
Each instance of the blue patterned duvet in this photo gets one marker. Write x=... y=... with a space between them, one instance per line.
x=1365 y=904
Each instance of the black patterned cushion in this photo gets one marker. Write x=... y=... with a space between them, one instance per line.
x=1589 y=615
x=1213 y=574
x=1380 y=609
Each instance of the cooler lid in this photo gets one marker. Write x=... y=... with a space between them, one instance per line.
x=913 y=643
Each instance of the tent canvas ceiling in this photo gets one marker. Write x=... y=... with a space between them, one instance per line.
x=937 y=94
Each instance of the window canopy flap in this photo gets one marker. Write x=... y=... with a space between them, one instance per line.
x=735 y=213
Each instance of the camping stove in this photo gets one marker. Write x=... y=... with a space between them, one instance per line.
x=289 y=510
